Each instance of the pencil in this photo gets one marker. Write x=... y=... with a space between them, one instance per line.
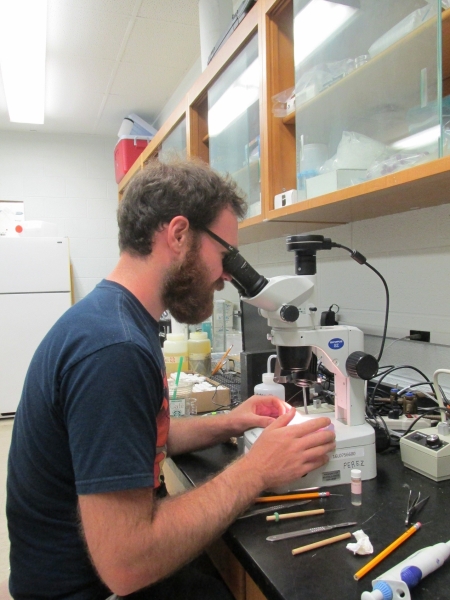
x=332 y=540
x=373 y=563
x=303 y=513
x=292 y=497
x=221 y=361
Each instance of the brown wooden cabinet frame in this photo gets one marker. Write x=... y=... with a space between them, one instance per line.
x=422 y=186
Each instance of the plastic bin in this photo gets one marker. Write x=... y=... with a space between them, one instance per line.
x=127 y=150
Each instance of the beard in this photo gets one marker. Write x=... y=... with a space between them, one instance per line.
x=186 y=292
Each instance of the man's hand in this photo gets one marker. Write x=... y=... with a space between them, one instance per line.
x=258 y=411
x=282 y=454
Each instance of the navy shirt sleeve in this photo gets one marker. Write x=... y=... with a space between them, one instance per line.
x=112 y=398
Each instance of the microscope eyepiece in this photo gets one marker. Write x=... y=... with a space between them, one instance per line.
x=245 y=278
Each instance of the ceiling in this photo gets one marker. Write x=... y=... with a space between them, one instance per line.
x=109 y=58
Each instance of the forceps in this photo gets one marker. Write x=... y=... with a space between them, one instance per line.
x=414 y=506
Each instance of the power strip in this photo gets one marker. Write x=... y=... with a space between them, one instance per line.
x=404 y=422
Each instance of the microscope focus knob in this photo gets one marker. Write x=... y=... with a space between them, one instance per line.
x=361 y=365
x=289 y=313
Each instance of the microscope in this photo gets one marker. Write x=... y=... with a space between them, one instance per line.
x=289 y=305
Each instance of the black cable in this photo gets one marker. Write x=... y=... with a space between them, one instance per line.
x=425 y=412
x=375 y=389
x=360 y=259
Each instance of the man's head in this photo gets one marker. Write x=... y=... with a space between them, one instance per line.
x=172 y=197
x=162 y=191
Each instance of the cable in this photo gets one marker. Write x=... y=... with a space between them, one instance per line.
x=414 y=336
x=409 y=387
x=425 y=412
x=360 y=259
x=396 y=369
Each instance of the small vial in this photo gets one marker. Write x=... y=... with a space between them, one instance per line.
x=356 y=487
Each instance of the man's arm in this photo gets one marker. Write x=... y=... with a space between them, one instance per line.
x=135 y=541
x=195 y=433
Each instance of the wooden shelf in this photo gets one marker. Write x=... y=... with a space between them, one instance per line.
x=422 y=186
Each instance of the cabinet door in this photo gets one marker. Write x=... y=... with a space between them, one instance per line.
x=368 y=90
x=174 y=143
x=233 y=123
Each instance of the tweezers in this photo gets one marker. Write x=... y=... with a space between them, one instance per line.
x=414 y=506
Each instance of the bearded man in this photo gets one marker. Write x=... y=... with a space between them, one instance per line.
x=86 y=510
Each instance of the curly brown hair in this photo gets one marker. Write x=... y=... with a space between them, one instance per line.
x=162 y=191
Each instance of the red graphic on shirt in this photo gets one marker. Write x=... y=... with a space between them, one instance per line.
x=162 y=427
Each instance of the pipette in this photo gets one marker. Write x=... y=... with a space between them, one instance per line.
x=396 y=583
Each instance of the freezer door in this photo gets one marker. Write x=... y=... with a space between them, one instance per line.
x=34 y=265
x=24 y=321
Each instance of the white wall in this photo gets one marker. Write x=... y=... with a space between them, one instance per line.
x=67 y=180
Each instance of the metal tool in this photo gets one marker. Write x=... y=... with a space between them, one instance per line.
x=414 y=506
x=300 y=532
x=261 y=511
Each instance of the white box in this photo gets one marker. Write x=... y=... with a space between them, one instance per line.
x=285 y=198
x=333 y=180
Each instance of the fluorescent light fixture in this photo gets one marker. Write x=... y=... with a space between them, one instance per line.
x=238 y=97
x=419 y=140
x=23 y=32
x=316 y=23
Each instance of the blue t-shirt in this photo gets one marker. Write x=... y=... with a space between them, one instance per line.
x=93 y=418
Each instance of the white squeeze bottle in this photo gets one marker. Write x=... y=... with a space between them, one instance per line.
x=268 y=387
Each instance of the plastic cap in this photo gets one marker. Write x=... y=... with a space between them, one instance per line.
x=355 y=473
x=381 y=591
x=19 y=228
x=175 y=337
x=267 y=378
x=198 y=335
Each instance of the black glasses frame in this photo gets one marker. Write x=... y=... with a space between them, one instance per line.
x=226 y=245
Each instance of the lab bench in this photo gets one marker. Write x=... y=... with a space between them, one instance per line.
x=255 y=569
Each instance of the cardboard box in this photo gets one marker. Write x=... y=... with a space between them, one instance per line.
x=333 y=180
x=210 y=401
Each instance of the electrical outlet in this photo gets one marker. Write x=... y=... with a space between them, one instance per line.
x=424 y=335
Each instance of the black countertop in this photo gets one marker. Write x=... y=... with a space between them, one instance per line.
x=327 y=572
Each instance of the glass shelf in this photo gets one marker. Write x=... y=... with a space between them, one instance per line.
x=368 y=90
x=234 y=124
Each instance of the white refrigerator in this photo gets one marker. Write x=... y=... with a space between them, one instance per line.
x=35 y=290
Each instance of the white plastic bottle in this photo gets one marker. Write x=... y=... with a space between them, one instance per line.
x=174 y=347
x=199 y=351
x=269 y=387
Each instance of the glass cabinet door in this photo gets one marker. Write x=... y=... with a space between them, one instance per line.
x=233 y=124
x=174 y=143
x=368 y=90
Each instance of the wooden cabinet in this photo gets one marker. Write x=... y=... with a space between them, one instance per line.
x=270 y=22
x=232 y=572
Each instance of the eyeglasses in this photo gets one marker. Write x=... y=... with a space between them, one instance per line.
x=226 y=245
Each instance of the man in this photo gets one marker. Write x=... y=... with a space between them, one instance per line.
x=92 y=428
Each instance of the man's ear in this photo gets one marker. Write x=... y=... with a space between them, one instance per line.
x=178 y=232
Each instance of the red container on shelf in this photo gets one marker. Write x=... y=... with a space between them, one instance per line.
x=126 y=151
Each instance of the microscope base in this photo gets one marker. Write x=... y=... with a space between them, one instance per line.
x=355 y=449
